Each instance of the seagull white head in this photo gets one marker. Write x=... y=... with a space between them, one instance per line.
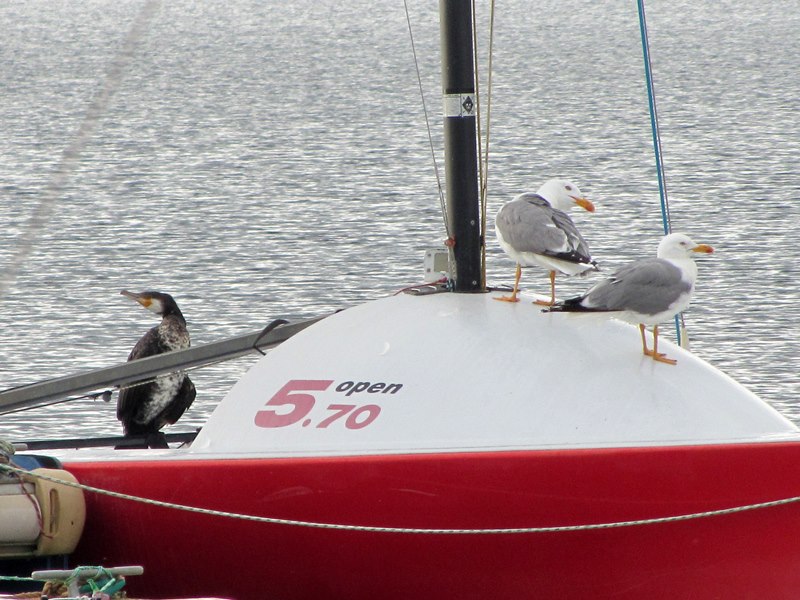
x=564 y=195
x=680 y=245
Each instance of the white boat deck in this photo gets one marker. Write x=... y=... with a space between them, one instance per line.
x=463 y=372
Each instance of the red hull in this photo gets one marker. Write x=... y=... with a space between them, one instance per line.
x=753 y=554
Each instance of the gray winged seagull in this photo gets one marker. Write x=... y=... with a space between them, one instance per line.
x=648 y=291
x=535 y=230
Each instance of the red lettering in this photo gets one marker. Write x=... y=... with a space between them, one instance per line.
x=371 y=410
x=291 y=395
x=340 y=411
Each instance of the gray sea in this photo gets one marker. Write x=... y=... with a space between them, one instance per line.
x=264 y=159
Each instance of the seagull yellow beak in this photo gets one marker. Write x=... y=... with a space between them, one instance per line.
x=703 y=248
x=583 y=203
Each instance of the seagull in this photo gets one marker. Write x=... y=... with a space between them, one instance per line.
x=648 y=291
x=535 y=230
x=145 y=408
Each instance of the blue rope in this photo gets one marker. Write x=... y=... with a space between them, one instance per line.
x=651 y=99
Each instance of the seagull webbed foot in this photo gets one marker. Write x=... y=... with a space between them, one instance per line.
x=660 y=357
x=507 y=299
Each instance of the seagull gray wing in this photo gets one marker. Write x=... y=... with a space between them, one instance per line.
x=648 y=286
x=578 y=249
x=529 y=224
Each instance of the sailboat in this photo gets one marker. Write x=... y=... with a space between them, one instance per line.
x=437 y=443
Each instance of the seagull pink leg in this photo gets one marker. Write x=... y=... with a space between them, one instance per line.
x=552 y=292
x=654 y=353
x=513 y=296
x=645 y=349
x=660 y=356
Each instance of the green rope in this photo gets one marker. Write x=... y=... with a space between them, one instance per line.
x=6 y=451
x=103 y=582
x=102 y=573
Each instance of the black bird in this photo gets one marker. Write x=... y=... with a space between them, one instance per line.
x=145 y=408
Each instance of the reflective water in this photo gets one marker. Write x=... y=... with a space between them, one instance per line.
x=259 y=160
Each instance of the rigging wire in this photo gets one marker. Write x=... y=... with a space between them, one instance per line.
x=442 y=201
x=485 y=182
x=70 y=157
x=680 y=325
x=481 y=177
x=483 y=144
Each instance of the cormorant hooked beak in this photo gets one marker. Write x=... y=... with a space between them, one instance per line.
x=142 y=299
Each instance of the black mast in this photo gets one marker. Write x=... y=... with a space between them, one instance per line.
x=460 y=143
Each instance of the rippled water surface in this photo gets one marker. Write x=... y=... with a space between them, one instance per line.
x=259 y=160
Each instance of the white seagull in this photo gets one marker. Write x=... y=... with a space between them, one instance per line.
x=648 y=291
x=535 y=230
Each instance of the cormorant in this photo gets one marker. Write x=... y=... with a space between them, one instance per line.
x=145 y=408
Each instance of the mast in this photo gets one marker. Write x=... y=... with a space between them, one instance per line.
x=460 y=143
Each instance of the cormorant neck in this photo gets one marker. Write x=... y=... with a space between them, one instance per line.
x=173 y=311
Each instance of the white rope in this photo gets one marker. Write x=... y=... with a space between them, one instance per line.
x=411 y=530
